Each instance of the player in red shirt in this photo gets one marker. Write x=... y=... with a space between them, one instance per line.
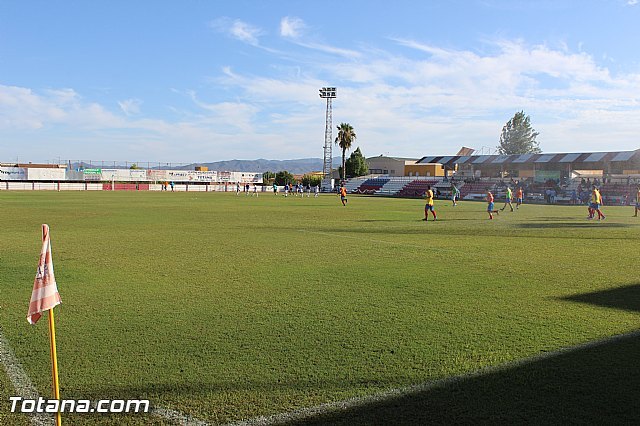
x=490 y=206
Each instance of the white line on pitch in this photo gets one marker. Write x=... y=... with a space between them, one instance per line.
x=177 y=417
x=338 y=406
x=25 y=388
x=21 y=382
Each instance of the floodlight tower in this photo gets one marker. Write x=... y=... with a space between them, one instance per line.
x=327 y=93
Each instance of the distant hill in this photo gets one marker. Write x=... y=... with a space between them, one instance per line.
x=299 y=166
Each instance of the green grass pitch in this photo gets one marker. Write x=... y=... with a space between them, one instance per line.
x=227 y=307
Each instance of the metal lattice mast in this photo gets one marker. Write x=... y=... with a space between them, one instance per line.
x=328 y=93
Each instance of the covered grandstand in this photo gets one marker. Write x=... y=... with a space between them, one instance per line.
x=540 y=167
x=546 y=177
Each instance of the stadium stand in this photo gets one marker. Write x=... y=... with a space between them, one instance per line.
x=354 y=183
x=617 y=193
x=394 y=186
x=475 y=190
x=371 y=186
x=416 y=188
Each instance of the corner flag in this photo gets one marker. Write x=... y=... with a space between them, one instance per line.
x=45 y=291
x=45 y=297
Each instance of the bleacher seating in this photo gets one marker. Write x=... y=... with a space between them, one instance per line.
x=354 y=183
x=617 y=193
x=475 y=190
x=394 y=186
x=416 y=188
x=371 y=186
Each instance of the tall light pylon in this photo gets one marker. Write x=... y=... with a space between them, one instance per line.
x=327 y=93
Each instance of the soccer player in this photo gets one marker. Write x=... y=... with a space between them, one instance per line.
x=455 y=194
x=317 y=191
x=508 y=199
x=594 y=206
x=519 y=197
x=343 y=195
x=637 y=201
x=428 y=207
x=238 y=188
x=490 y=208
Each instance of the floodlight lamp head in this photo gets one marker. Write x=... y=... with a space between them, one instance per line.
x=328 y=92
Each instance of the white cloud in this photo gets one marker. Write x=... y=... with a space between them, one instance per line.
x=238 y=29
x=428 y=100
x=130 y=106
x=291 y=27
x=632 y=2
x=22 y=108
x=245 y=32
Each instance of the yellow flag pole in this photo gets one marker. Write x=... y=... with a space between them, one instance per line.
x=54 y=364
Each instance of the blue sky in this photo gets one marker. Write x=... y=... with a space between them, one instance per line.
x=198 y=81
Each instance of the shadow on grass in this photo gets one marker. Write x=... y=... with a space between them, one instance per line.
x=593 y=383
x=625 y=298
x=599 y=384
x=596 y=384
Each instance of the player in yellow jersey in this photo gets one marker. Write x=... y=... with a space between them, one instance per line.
x=428 y=207
x=596 y=202
x=637 y=201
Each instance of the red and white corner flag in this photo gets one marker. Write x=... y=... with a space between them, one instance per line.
x=45 y=291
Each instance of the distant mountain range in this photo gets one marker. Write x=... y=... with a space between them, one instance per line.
x=299 y=166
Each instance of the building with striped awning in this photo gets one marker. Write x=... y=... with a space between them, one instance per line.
x=530 y=165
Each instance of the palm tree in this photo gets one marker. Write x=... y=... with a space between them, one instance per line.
x=346 y=136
